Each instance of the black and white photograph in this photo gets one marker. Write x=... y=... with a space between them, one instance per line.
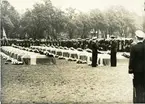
x=72 y=51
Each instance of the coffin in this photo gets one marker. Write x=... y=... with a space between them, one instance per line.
x=28 y=58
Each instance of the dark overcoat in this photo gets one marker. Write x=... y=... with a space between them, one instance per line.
x=94 y=54
x=137 y=67
x=113 y=53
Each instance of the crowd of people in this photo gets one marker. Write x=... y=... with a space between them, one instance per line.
x=123 y=45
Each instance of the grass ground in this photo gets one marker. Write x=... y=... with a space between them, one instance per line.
x=65 y=83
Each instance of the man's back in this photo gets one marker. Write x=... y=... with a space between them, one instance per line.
x=137 y=55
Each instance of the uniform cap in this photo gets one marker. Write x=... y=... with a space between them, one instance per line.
x=140 y=34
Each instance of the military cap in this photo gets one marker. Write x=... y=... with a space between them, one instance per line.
x=140 y=34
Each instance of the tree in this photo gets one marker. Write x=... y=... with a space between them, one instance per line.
x=70 y=25
x=97 y=19
x=83 y=25
x=120 y=20
x=10 y=19
x=49 y=22
x=44 y=20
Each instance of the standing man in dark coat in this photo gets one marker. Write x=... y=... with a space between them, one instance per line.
x=113 y=58
x=137 y=67
x=94 y=52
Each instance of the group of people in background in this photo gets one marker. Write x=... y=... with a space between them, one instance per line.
x=123 y=45
x=95 y=44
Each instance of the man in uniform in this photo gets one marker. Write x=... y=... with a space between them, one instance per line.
x=137 y=67
x=113 y=51
x=94 y=52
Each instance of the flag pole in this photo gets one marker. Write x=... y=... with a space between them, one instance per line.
x=4 y=38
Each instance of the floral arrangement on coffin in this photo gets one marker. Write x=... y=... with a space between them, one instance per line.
x=65 y=48
x=49 y=54
x=79 y=49
x=61 y=57
x=81 y=62
x=13 y=61
x=36 y=51
x=71 y=48
x=89 y=50
x=26 y=59
x=16 y=62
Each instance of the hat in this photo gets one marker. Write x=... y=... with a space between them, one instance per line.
x=140 y=34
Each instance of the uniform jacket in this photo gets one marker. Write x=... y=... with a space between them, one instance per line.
x=137 y=58
x=114 y=46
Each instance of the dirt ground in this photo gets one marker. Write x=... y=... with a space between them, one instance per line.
x=65 y=83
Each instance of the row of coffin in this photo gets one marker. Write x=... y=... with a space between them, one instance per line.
x=18 y=55
x=79 y=55
x=43 y=54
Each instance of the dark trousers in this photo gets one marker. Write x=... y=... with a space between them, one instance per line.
x=113 y=59
x=139 y=88
x=94 y=58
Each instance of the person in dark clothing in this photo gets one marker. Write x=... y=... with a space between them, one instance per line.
x=137 y=68
x=94 y=53
x=5 y=41
x=113 y=58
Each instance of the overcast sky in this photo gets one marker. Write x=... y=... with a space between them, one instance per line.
x=83 y=5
